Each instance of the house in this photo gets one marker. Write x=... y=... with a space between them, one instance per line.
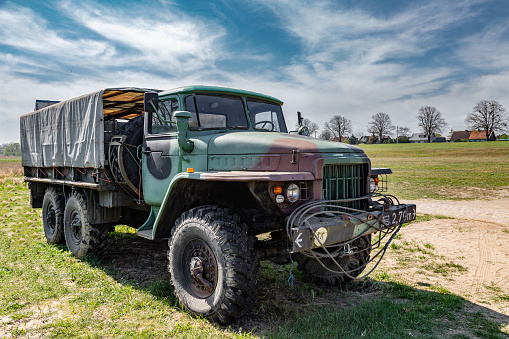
x=418 y=138
x=476 y=136
x=459 y=135
x=364 y=139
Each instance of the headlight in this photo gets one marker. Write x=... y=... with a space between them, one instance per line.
x=373 y=184
x=292 y=193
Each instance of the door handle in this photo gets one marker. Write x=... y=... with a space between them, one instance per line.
x=147 y=151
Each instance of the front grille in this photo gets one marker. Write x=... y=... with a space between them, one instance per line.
x=345 y=182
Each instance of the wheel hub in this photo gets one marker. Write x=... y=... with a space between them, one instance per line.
x=51 y=218
x=202 y=268
x=76 y=227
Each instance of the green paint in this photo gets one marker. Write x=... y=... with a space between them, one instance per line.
x=182 y=126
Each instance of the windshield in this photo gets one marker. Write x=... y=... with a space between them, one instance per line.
x=266 y=116
x=215 y=112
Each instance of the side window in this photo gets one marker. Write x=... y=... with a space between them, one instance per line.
x=267 y=121
x=164 y=122
x=266 y=116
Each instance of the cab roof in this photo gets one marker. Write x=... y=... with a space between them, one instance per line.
x=216 y=89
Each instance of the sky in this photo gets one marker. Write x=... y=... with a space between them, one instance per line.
x=323 y=58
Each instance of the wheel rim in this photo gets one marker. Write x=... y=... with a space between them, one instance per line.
x=51 y=217
x=75 y=222
x=200 y=267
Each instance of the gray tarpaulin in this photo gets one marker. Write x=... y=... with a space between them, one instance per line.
x=70 y=133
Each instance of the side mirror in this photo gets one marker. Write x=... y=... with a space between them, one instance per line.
x=150 y=102
x=182 y=118
x=303 y=130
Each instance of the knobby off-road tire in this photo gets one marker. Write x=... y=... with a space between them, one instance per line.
x=81 y=237
x=211 y=243
x=314 y=271
x=52 y=216
x=133 y=130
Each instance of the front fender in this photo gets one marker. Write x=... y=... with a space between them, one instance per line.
x=162 y=217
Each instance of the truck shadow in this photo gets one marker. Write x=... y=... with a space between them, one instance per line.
x=142 y=264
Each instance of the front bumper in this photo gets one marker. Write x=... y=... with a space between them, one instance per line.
x=309 y=229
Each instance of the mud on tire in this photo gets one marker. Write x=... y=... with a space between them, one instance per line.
x=81 y=237
x=52 y=216
x=213 y=265
x=353 y=264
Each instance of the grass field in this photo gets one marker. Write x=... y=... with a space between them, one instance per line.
x=46 y=292
x=444 y=170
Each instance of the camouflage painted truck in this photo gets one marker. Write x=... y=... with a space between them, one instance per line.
x=215 y=171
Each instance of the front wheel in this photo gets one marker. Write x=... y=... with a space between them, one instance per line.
x=81 y=237
x=353 y=264
x=213 y=265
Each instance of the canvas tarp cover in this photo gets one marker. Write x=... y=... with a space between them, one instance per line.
x=69 y=134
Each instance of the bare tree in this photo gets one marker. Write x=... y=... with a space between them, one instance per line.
x=312 y=127
x=380 y=125
x=359 y=135
x=338 y=126
x=404 y=131
x=325 y=135
x=431 y=121
x=403 y=134
x=488 y=116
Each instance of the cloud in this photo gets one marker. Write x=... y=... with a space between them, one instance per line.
x=356 y=63
x=339 y=40
x=21 y=28
x=160 y=37
x=351 y=61
x=487 y=49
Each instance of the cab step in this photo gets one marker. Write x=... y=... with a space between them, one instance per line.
x=147 y=234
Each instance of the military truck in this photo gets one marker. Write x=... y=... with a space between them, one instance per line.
x=217 y=172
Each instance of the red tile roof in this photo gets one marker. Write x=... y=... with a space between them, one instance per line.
x=477 y=135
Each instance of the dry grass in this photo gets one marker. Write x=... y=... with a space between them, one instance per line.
x=10 y=167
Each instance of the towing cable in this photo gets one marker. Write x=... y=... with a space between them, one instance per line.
x=301 y=212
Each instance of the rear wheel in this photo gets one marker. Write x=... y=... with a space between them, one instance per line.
x=353 y=264
x=213 y=265
x=81 y=237
x=52 y=216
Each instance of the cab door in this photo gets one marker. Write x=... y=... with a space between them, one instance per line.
x=160 y=151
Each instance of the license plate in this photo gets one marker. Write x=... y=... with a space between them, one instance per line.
x=400 y=215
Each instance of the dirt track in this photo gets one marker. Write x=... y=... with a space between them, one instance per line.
x=477 y=239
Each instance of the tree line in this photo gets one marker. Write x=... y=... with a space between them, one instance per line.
x=10 y=149
x=487 y=115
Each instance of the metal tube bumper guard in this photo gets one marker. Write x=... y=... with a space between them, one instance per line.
x=335 y=225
